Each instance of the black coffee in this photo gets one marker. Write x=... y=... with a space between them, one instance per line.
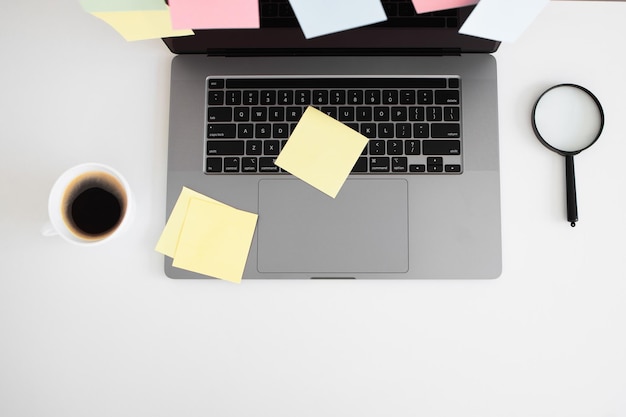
x=94 y=204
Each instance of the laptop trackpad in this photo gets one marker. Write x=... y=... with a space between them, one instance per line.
x=364 y=229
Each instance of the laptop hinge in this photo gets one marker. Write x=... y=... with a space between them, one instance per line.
x=334 y=52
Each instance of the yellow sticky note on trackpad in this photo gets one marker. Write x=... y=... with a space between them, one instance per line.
x=321 y=151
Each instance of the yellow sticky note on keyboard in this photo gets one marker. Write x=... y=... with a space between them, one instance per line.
x=206 y=236
x=321 y=151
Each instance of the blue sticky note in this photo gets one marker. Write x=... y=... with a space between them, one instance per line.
x=322 y=17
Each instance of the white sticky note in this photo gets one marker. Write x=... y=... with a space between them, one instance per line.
x=502 y=20
x=322 y=17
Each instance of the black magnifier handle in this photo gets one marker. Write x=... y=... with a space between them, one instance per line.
x=570 y=180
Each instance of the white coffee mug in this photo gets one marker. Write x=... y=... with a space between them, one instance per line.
x=89 y=204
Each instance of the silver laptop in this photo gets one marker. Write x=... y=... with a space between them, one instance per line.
x=423 y=200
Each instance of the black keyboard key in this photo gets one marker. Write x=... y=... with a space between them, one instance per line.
x=361 y=165
x=399 y=114
x=355 y=97
x=399 y=164
x=303 y=97
x=277 y=114
x=417 y=168
x=293 y=114
x=447 y=97
x=417 y=114
x=233 y=98
x=364 y=114
x=220 y=114
x=453 y=83
x=446 y=130
x=271 y=147
x=285 y=97
x=368 y=130
x=268 y=98
x=377 y=147
x=385 y=130
x=346 y=114
x=395 y=147
x=412 y=147
x=372 y=97
x=245 y=131
x=216 y=98
x=266 y=164
x=379 y=164
x=407 y=96
x=216 y=83
x=254 y=147
x=251 y=98
x=320 y=97
x=451 y=114
x=434 y=164
x=453 y=168
x=337 y=97
x=434 y=114
x=249 y=164
x=421 y=130
x=442 y=147
x=381 y=114
x=222 y=130
x=390 y=97
x=280 y=130
x=425 y=97
x=213 y=165
x=241 y=114
x=403 y=130
x=225 y=147
x=259 y=114
x=330 y=111
x=263 y=131
x=353 y=126
x=231 y=164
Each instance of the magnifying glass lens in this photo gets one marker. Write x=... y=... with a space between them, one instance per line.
x=568 y=118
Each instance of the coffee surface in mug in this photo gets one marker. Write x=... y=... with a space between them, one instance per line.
x=94 y=205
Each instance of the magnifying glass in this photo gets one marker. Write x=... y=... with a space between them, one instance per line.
x=567 y=119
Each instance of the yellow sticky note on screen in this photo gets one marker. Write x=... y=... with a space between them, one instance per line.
x=215 y=240
x=321 y=151
x=142 y=24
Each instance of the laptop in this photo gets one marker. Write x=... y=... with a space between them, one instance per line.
x=423 y=200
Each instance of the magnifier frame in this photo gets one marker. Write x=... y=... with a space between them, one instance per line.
x=572 y=206
x=560 y=151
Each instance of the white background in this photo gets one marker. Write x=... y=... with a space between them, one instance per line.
x=102 y=332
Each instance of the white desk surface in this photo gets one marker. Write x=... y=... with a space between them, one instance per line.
x=103 y=332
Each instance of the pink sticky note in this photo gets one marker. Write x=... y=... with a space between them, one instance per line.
x=214 y=14
x=425 y=6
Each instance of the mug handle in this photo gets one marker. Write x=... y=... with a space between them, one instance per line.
x=48 y=231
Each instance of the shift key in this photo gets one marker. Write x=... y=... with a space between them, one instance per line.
x=225 y=147
x=441 y=147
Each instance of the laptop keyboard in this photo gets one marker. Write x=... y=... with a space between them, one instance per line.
x=278 y=13
x=413 y=124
